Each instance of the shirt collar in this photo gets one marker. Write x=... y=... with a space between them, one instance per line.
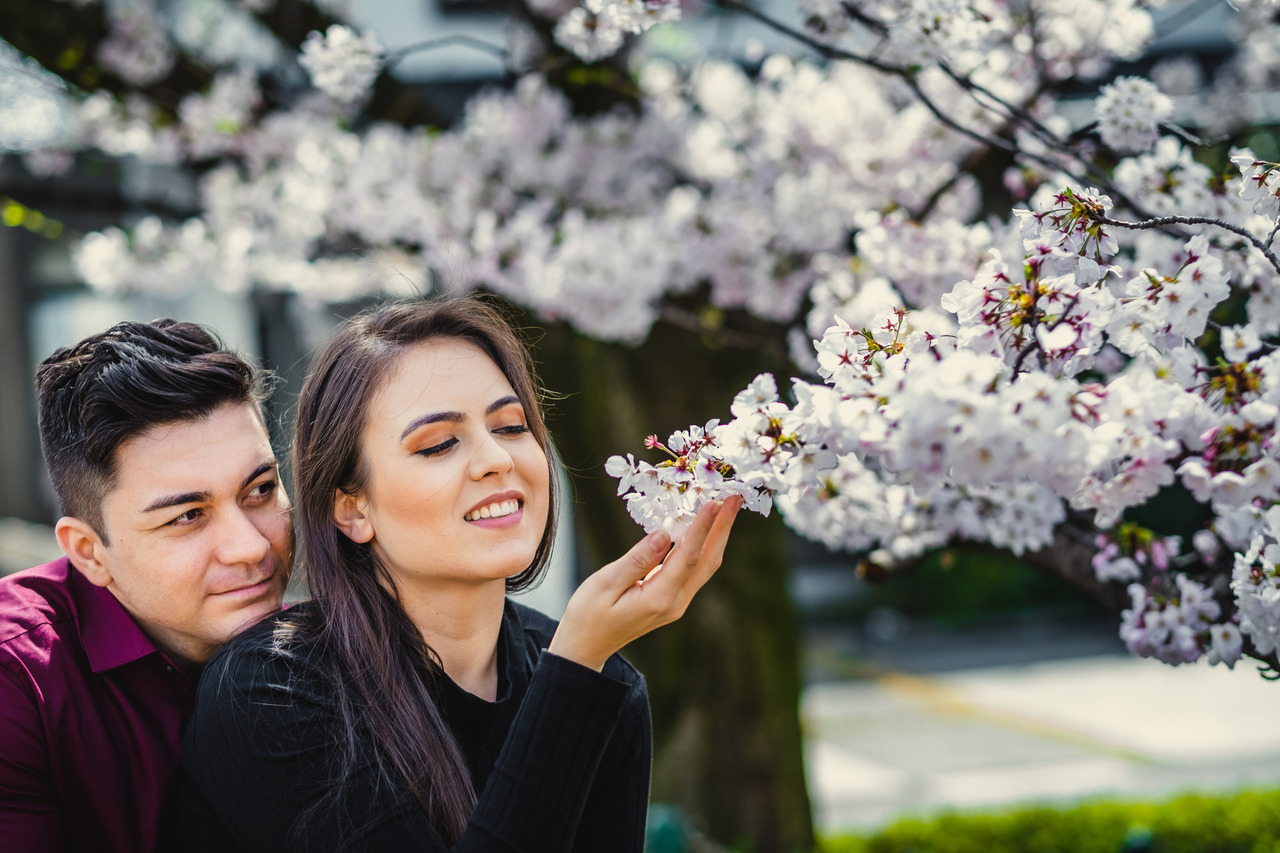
x=110 y=636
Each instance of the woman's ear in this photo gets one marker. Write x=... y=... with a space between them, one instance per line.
x=84 y=548
x=350 y=513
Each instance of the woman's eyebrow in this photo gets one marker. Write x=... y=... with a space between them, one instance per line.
x=433 y=418
x=457 y=417
x=510 y=399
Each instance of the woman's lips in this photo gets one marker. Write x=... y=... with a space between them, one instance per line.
x=501 y=521
x=498 y=503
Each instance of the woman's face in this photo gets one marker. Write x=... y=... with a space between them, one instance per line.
x=458 y=488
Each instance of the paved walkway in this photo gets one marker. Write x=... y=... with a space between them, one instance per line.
x=900 y=743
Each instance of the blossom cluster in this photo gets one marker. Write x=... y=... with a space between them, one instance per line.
x=1075 y=37
x=924 y=435
x=137 y=48
x=342 y=63
x=955 y=31
x=668 y=495
x=1129 y=112
x=1127 y=549
x=1181 y=626
x=1255 y=580
x=596 y=29
x=1260 y=183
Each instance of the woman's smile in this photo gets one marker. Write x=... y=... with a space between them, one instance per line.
x=499 y=511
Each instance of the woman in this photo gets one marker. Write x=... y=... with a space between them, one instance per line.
x=410 y=705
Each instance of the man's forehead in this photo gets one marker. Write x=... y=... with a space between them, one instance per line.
x=213 y=454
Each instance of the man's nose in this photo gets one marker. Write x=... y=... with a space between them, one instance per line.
x=241 y=540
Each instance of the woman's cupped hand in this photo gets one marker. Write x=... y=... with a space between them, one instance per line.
x=649 y=586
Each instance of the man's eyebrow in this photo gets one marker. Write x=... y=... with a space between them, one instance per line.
x=269 y=465
x=181 y=498
x=456 y=417
x=178 y=500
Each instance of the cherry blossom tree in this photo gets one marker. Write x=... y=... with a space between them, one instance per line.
x=1013 y=277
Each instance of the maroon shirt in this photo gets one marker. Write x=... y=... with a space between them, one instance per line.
x=91 y=718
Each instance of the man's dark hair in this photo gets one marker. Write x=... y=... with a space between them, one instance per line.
x=96 y=395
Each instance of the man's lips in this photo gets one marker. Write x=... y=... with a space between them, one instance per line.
x=252 y=588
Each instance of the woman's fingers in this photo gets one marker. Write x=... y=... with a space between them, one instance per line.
x=708 y=536
x=638 y=562
x=713 y=546
x=692 y=563
x=685 y=555
x=702 y=563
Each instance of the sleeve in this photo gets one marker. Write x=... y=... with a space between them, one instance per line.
x=618 y=804
x=260 y=751
x=29 y=818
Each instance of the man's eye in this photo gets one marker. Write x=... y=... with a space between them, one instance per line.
x=263 y=490
x=189 y=517
x=439 y=448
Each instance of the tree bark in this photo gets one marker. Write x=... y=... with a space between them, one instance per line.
x=724 y=681
x=1070 y=557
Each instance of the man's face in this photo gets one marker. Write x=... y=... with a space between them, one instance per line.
x=201 y=539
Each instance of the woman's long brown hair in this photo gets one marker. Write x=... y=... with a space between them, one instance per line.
x=382 y=668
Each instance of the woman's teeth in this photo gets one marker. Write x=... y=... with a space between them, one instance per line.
x=493 y=510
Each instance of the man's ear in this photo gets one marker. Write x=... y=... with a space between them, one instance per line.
x=84 y=547
x=350 y=513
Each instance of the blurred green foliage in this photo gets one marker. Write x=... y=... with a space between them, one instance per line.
x=1243 y=822
x=956 y=587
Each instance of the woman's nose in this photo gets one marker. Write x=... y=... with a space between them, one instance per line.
x=490 y=457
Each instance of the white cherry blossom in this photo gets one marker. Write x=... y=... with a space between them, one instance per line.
x=342 y=63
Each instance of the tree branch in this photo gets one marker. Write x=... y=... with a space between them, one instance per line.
x=1162 y=221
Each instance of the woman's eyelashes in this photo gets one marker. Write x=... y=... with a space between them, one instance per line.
x=509 y=431
x=437 y=449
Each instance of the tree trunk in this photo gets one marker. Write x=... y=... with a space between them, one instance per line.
x=724 y=681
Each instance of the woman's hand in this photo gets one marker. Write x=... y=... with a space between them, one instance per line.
x=641 y=590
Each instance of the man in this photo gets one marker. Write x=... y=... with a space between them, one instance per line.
x=177 y=536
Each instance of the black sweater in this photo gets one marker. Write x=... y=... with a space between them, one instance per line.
x=560 y=761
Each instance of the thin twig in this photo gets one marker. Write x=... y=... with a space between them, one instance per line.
x=1014 y=111
x=1190 y=138
x=829 y=51
x=832 y=52
x=951 y=122
x=1263 y=345
x=1161 y=221
x=1032 y=346
x=877 y=27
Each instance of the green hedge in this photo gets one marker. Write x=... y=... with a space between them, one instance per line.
x=1246 y=822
